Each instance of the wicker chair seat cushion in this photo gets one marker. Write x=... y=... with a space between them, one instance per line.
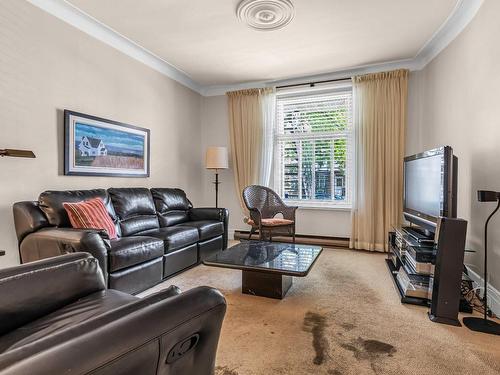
x=273 y=222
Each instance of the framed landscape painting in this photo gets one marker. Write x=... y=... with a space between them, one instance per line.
x=95 y=146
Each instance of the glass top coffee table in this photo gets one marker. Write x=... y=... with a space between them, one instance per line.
x=267 y=267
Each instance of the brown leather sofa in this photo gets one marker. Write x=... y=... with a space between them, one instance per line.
x=159 y=233
x=57 y=317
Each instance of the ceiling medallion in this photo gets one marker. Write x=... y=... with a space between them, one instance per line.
x=265 y=15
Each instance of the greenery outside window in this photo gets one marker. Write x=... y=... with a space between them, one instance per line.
x=312 y=161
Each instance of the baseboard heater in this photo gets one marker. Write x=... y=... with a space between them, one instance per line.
x=299 y=238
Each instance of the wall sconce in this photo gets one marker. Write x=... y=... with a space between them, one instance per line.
x=17 y=153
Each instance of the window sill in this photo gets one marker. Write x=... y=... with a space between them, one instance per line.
x=316 y=206
x=325 y=208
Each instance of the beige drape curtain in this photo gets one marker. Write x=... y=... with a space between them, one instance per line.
x=248 y=129
x=380 y=121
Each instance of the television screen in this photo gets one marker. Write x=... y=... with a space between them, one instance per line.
x=424 y=185
x=430 y=186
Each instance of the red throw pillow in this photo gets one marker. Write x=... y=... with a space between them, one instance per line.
x=91 y=214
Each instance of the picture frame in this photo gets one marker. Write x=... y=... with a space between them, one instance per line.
x=95 y=146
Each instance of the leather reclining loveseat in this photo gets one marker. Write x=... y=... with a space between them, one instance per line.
x=57 y=317
x=159 y=233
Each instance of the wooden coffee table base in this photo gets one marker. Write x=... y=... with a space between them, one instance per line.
x=265 y=284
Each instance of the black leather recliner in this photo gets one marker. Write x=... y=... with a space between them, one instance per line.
x=159 y=233
x=57 y=317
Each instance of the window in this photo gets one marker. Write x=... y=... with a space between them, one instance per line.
x=313 y=150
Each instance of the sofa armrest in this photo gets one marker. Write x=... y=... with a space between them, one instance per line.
x=208 y=213
x=212 y=213
x=50 y=242
x=28 y=218
x=36 y=289
x=159 y=334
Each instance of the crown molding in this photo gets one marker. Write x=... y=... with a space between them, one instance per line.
x=463 y=12
x=91 y=26
x=457 y=21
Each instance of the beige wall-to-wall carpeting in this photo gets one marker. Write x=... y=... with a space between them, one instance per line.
x=46 y=66
x=455 y=101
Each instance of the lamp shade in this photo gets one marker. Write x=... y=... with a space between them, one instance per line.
x=216 y=158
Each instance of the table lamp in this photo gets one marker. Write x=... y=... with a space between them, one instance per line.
x=216 y=158
x=484 y=324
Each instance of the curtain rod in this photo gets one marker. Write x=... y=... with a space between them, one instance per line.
x=312 y=84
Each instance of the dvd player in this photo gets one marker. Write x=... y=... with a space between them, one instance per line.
x=418 y=236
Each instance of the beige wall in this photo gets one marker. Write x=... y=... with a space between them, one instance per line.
x=215 y=132
x=47 y=66
x=455 y=101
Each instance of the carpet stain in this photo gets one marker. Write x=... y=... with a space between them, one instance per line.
x=348 y=326
x=376 y=347
x=334 y=372
x=369 y=349
x=224 y=370
x=316 y=324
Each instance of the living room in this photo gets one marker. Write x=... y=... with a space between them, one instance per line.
x=216 y=89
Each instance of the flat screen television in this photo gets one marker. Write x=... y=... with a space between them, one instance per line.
x=430 y=187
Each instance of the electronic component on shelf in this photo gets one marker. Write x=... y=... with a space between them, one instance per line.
x=421 y=260
x=418 y=235
x=413 y=286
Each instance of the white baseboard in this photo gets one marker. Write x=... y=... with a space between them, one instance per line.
x=493 y=293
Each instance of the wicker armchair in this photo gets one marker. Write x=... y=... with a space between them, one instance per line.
x=264 y=204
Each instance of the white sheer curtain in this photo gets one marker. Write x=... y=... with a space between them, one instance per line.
x=268 y=105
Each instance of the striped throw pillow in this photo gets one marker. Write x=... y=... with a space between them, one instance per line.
x=90 y=214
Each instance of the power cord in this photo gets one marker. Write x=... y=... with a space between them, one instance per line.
x=473 y=298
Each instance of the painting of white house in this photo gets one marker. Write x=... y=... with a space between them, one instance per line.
x=90 y=146
x=98 y=146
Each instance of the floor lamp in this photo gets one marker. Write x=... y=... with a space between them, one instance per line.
x=484 y=324
x=216 y=158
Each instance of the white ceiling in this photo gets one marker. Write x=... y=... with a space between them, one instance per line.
x=205 y=40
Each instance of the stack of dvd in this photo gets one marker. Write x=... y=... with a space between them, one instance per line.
x=420 y=260
x=413 y=262
x=413 y=285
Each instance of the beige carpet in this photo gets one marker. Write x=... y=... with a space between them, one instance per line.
x=344 y=318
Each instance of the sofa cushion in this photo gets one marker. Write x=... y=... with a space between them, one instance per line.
x=172 y=206
x=206 y=228
x=175 y=237
x=91 y=214
x=135 y=209
x=129 y=251
x=51 y=203
x=86 y=308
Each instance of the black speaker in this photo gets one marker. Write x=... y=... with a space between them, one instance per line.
x=450 y=243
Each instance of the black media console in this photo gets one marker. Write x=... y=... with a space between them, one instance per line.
x=428 y=271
